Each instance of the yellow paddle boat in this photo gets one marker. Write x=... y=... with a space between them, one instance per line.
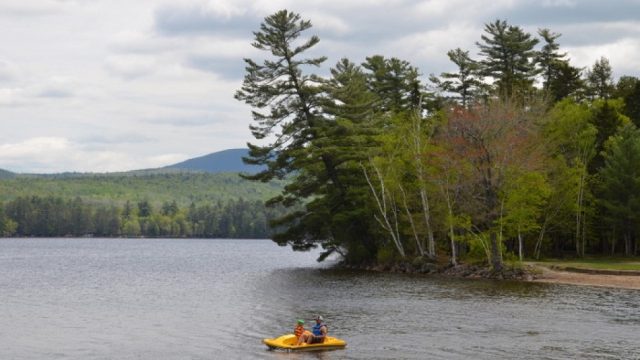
x=289 y=342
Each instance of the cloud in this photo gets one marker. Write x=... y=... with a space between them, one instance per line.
x=10 y=97
x=8 y=71
x=623 y=55
x=12 y=8
x=144 y=43
x=182 y=121
x=214 y=17
x=59 y=154
x=131 y=67
x=56 y=87
x=559 y=12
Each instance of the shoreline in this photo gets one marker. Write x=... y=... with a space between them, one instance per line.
x=556 y=276
x=528 y=273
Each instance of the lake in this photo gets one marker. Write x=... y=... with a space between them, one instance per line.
x=216 y=299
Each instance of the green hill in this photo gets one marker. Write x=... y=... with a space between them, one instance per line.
x=157 y=187
x=4 y=174
x=222 y=161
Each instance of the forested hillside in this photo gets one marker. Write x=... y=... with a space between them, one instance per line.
x=140 y=203
x=115 y=189
x=514 y=153
x=6 y=174
x=229 y=160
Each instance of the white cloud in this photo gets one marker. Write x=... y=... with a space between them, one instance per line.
x=131 y=66
x=623 y=55
x=29 y=8
x=11 y=97
x=58 y=154
x=8 y=71
x=156 y=78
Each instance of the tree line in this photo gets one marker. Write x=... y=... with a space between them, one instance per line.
x=517 y=153
x=56 y=217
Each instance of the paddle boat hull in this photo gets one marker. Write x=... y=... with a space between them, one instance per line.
x=289 y=342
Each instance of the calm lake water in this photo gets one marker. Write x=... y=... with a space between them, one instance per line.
x=216 y=299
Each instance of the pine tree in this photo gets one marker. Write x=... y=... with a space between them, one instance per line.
x=310 y=147
x=509 y=58
x=548 y=58
x=599 y=79
x=628 y=89
x=620 y=183
x=395 y=82
x=466 y=82
x=564 y=81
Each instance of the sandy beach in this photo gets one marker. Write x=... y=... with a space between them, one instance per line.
x=548 y=275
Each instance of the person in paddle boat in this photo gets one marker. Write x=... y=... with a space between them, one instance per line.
x=319 y=332
x=300 y=332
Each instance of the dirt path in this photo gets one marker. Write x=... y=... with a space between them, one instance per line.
x=565 y=277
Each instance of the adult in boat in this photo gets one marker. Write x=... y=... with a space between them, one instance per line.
x=318 y=332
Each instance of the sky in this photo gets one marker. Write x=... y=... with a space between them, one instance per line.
x=116 y=85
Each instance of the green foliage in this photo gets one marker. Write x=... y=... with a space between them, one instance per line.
x=117 y=189
x=386 y=255
x=620 y=183
x=548 y=57
x=600 y=79
x=395 y=82
x=524 y=199
x=509 y=58
x=607 y=118
x=466 y=82
x=51 y=217
x=628 y=89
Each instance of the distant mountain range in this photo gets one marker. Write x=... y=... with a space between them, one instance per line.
x=222 y=161
x=201 y=180
x=4 y=174
x=225 y=161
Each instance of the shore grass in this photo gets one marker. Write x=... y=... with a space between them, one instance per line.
x=604 y=263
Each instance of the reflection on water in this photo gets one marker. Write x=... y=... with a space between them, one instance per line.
x=216 y=299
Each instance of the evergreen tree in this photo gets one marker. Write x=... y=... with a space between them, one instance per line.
x=564 y=81
x=599 y=79
x=395 y=82
x=466 y=82
x=509 y=58
x=628 y=89
x=620 y=183
x=548 y=58
x=290 y=103
x=607 y=118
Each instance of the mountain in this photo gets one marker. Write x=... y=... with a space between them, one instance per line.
x=202 y=180
x=218 y=162
x=4 y=174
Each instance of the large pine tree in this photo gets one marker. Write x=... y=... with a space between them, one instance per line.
x=509 y=58
x=314 y=125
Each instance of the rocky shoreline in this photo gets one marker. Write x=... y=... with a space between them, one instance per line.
x=471 y=271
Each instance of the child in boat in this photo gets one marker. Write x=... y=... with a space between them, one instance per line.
x=299 y=330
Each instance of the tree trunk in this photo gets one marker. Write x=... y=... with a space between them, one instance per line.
x=627 y=244
x=454 y=260
x=385 y=208
x=520 y=245
x=496 y=256
x=537 y=249
x=579 y=214
x=413 y=226
x=431 y=243
x=417 y=152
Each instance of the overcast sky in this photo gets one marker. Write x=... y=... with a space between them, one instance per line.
x=111 y=85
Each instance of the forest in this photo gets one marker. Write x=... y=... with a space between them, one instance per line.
x=56 y=217
x=138 y=203
x=515 y=154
